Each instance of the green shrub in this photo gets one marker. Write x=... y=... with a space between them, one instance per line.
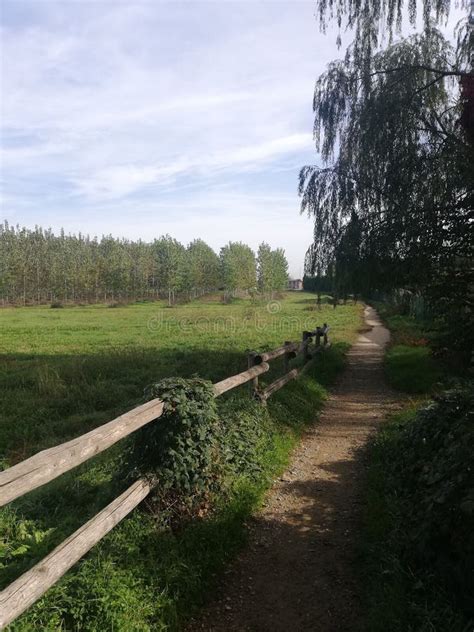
x=418 y=533
x=179 y=450
x=245 y=434
x=434 y=473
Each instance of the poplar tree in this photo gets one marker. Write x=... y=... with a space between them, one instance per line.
x=265 y=269
x=238 y=267
x=37 y=266
x=280 y=270
x=169 y=256
x=272 y=270
x=203 y=270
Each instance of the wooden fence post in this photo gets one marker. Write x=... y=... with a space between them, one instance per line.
x=287 y=356
x=253 y=385
x=325 y=333
x=318 y=336
x=306 y=340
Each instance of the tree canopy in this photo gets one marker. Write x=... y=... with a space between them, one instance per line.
x=203 y=272
x=238 y=267
x=272 y=270
x=374 y=22
x=396 y=156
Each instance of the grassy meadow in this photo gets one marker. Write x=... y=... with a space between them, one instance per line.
x=65 y=371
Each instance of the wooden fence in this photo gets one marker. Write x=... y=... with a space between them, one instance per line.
x=51 y=463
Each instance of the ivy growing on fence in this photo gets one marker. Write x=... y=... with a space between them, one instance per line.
x=178 y=450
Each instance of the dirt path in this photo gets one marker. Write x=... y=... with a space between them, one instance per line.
x=297 y=572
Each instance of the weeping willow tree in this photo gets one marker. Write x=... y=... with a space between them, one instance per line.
x=392 y=129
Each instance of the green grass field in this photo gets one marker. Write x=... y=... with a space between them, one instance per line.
x=65 y=371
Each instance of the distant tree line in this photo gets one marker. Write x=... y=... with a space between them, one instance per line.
x=37 y=266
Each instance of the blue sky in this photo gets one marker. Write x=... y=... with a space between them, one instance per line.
x=144 y=118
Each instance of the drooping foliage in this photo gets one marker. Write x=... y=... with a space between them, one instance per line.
x=319 y=284
x=388 y=126
x=403 y=163
x=374 y=22
x=347 y=256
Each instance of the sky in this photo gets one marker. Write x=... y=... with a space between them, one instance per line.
x=142 y=118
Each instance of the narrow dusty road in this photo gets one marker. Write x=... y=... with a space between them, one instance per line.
x=297 y=572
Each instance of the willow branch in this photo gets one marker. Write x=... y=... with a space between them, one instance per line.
x=438 y=71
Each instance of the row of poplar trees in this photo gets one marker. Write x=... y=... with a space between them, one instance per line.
x=37 y=266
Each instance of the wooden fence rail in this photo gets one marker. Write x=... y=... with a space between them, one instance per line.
x=277 y=384
x=239 y=379
x=292 y=347
x=30 y=586
x=48 y=464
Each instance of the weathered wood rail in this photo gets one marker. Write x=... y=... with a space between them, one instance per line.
x=48 y=464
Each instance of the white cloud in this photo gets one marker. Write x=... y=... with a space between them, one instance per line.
x=112 y=109
x=116 y=181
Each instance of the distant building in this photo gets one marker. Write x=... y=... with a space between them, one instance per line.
x=295 y=284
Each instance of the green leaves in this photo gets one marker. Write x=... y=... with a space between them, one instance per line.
x=432 y=475
x=194 y=454
x=238 y=267
x=203 y=267
x=178 y=449
x=170 y=265
x=374 y=20
x=272 y=270
x=387 y=125
x=20 y=539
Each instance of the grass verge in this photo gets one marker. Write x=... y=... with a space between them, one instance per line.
x=412 y=369
x=416 y=544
